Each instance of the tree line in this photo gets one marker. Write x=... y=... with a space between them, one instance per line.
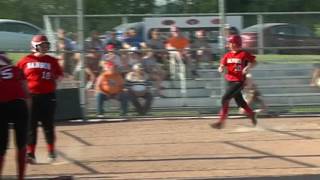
x=33 y=10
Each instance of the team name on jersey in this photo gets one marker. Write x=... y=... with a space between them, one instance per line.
x=41 y=65
x=234 y=60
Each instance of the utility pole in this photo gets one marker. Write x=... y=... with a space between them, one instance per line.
x=80 y=27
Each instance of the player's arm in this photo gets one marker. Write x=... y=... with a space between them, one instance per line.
x=251 y=62
x=249 y=66
x=222 y=64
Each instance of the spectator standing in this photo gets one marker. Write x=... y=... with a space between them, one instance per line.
x=41 y=71
x=179 y=50
x=64 y=44
x=110 y=85
x=139 y=87
x=13 y=109
x=113 y=40
x=237 y=63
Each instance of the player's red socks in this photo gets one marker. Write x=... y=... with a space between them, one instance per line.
x=248 y=111
x=224 y=111
x=21 y=160
x=31 y=148
x=50 y=148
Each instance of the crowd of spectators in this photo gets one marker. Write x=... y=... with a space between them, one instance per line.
x=152 y=57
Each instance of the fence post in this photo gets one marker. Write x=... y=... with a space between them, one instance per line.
x=260 y=34
x=81 y=48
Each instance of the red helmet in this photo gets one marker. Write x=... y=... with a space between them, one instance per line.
x=235 y=39
x=38 y=39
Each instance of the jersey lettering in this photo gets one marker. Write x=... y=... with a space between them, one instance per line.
x=234 y=60
x=41 y=65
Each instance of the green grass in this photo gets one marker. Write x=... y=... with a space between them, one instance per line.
x=280 y=59
x=16 y=56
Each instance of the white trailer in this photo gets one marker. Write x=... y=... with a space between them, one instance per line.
x=188 y=26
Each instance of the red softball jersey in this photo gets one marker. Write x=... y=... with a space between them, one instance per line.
x=11 y=79
x=235 y=62
x=41 y=73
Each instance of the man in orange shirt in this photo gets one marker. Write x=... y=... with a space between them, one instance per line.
x=110 y=85
x=180 y=43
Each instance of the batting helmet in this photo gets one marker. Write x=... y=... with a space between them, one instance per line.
x=38 y=39
x=235 y=39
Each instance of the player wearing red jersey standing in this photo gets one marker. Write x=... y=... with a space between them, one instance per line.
x=41 y=71
x=13 y=109
x=237 y=64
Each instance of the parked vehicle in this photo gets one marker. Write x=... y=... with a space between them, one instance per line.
x=280 y=35
x=16 y=35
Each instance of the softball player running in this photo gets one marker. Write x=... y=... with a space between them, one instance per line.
x=237 y=64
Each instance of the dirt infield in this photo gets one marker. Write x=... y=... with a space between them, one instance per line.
x=181 y=149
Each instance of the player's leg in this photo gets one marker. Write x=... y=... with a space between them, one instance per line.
x=20 y=122
x=243 y=104
x=100 y=98
x=32 y=133
x=4 y=133
x=47 y=121
x=232 y=89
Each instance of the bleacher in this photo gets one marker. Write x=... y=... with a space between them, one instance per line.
x=283 y=86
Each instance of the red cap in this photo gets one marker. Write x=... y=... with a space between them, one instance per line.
x=236 y=39
x=109 y=47
x=109 y=64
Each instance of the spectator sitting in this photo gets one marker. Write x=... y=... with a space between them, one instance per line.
x=134 y=56
x=153 y=69
x=315 y=80
x=110 y=85
x=230 y=30
x=138 y=87
x=253 y=95
x=133 y=40
x=94 y=41
x=112 y=40
x=111 y=56
x=66 y=58
x=157 y=44
x=201 y=49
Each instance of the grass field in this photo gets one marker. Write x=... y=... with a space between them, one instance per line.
x=274 y=58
